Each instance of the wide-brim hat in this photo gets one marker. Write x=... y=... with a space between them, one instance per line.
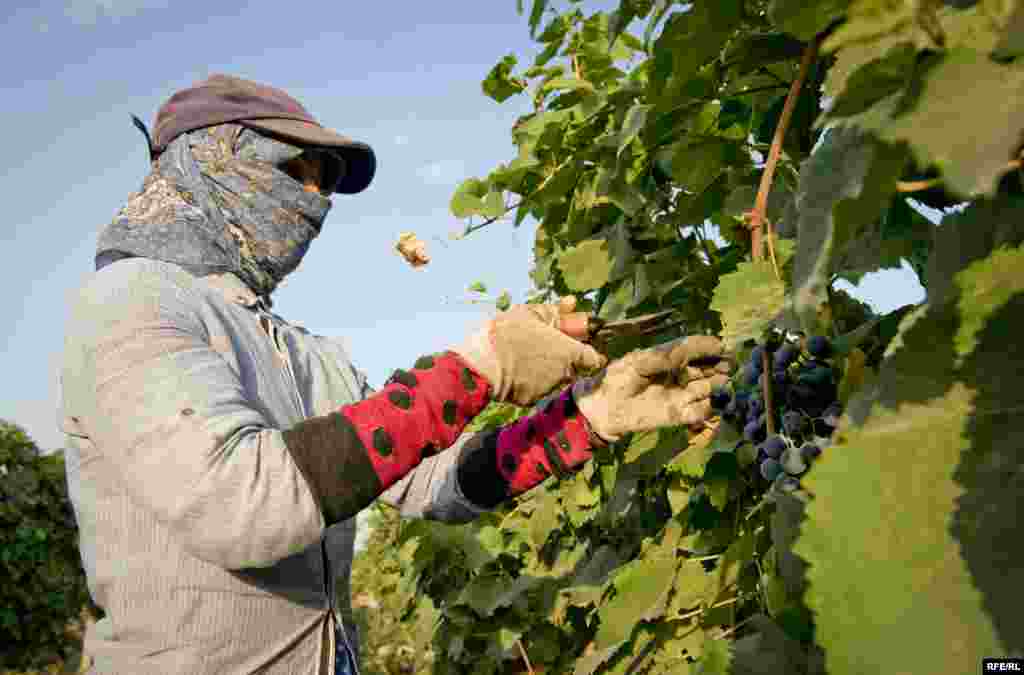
x=224 y=98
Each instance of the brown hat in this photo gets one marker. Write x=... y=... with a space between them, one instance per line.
x=224 y=98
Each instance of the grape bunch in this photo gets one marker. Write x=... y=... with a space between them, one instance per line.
x=804 y=406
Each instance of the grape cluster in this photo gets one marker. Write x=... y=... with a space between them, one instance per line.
x=805 y=410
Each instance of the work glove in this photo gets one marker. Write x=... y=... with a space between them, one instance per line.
x=524 y=353
x=664 y=386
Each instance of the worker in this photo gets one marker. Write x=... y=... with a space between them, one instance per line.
x=218 y=454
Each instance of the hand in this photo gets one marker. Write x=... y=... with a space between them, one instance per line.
x=667 y=385
x=523 y=353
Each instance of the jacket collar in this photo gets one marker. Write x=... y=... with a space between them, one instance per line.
x=233 y=288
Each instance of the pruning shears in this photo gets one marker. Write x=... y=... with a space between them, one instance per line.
x=600 y=332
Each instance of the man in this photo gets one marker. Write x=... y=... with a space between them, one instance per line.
x=218 y=455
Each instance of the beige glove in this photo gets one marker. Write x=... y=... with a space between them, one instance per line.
x=667 y=385
x=524 y=355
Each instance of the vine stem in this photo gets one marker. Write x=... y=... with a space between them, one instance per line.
x=907 y=186
x=758 y=217
x=525 y=657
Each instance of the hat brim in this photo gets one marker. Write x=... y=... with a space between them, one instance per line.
x=360 y=160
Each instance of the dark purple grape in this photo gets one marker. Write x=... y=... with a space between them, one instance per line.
x=750 y=376
x=757 y=356
x=780 y=378
x=720 y=398
x=770 y=469
x=832 y=414
x=819 y=346
x=773 y=446
x=754 y=431
x=821 y=427
x=794 y=422
x=755 y=407
x=810 y=452
x=785 y=356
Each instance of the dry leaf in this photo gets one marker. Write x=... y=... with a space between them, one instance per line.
x=412 y=249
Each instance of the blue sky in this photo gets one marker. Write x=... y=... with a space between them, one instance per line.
x=402 y=76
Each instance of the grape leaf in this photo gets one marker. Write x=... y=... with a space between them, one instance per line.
x=499 y=83
x=935 y=443
x=971 y=163
x=805 y=19
x=769 y=651
x=468 y=198
x=638 y=587
x=748 y=299
x=587 y=265
x=716 y=660
x=844 y=185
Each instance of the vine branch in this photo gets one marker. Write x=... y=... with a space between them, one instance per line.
x=479 y=226
x=908 y=186
x=757 y=217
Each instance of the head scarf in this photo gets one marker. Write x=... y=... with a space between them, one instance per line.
x=217 y=202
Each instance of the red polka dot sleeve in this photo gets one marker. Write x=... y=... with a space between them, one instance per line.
x=351 y=456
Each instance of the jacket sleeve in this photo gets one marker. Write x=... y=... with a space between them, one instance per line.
x=483 y=469
x=166 y=409
x=168 y=413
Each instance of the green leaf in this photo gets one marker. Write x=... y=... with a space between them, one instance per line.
x=803 y=18
x=845 y=185
x=635 y=120
x=751 y=51
x=872 y=81
x=638 y=587
x=587 y=265
x=536 y=14
x=720 y=472
x=694 y=37
x=478 y=287
x=934 y=442
x=696 y=166
x=494 y=205
x=650 y=451
x=499 y=83
x=971 y=163
x=748 y=300
x=716 y=660
x=468 y=198
x=769 y=651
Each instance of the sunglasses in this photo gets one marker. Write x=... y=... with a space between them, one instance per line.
x=326 y=167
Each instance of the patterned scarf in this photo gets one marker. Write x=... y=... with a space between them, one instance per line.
x=217 y=202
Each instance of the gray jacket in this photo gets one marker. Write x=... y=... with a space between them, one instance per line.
x=199 y=536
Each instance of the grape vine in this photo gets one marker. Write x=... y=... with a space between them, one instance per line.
x=853 y=508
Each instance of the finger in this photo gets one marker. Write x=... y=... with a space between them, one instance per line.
x=579 y=355
x=678 y=353
x=720 y=368
x=692 y=413
x=588 y=358
x=575 y=325
x=567 y=305
x=547 y=314
x=697 y=348
x=718 y=381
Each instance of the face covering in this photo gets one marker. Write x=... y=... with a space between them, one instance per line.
x=216 y=201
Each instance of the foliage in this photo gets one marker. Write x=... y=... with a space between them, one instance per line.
x=655 y=132
x=43 y=591
x=394 y=625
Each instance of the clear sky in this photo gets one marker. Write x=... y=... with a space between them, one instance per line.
x=402 y=76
